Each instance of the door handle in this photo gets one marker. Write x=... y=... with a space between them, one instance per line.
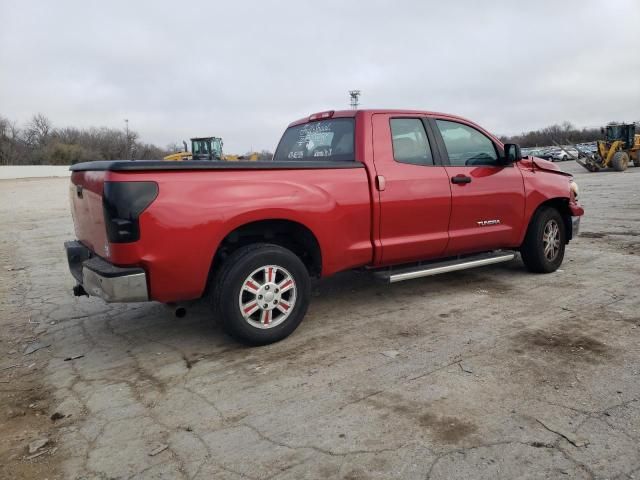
x=460 y=179
x=381 y=183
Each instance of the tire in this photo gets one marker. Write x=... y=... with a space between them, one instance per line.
x=546 y=225
x=636 y=162
x=260 y=271
x=620 y=161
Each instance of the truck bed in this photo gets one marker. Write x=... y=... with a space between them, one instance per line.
x=200 y=202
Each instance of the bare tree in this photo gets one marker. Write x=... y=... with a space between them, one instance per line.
x=9 y=142
x=37 y=131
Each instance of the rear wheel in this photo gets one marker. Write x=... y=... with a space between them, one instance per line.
x=636 y=162
x=620 y=161
x=261 y=293
x=543 y=247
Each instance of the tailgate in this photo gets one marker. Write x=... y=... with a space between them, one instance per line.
x=85 y=194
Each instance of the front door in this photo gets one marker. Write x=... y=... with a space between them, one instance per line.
x=414 y=191
x=487 y=206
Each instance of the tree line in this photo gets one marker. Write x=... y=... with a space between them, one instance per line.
x=38 y=142
x=565 y=133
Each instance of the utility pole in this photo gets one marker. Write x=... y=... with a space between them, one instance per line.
x=126 y=122
x=355 y=97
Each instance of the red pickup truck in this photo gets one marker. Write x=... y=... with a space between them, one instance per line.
x=402 y=193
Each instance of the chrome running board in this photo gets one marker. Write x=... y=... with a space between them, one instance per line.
x=436 y=268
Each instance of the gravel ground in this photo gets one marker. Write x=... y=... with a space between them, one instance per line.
x=488 y=373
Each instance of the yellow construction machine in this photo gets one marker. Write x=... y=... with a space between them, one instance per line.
x=207 y=148
x=620 y=146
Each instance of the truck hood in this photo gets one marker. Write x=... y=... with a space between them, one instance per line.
x=548 y=166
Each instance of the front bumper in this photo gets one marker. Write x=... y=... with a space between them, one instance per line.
x=575 y=226
x=102 y=279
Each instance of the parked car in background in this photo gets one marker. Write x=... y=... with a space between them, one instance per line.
x=544 y=153
x=586 y=148
x=564 y=153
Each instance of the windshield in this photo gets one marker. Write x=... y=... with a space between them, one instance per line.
x=615 y=132
x=323 y=140
x=206 y=147
x=200 y=146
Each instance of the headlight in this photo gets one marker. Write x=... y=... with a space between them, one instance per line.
x=574 y=189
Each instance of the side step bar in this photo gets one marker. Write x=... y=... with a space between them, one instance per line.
x=435 y=268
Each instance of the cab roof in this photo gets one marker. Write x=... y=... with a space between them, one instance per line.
x=371 y=111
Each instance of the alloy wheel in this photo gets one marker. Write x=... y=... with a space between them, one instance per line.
x=267 y=296
x=551 y=240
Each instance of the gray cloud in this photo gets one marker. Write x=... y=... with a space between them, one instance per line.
x=242 y=70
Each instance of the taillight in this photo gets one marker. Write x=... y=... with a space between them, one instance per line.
x=123 y=202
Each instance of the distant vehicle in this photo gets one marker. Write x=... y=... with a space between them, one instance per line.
x=564 y=153
x=202 y=148
x=406 y=194
x=207 y=148
x=620 y=146
x=590 y=147
x=545 y=153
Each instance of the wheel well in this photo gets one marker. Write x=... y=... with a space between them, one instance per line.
x=286 y=233
x=561 y=205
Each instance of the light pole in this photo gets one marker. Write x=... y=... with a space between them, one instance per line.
x=126 y=123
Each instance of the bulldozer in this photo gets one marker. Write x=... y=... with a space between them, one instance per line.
x=207 y=148
x=621 y=145
x=202 y=148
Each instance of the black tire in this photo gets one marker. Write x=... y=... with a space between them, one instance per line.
x=534 y=256
x=620 y=161
x=229 y=281
x=636 y=162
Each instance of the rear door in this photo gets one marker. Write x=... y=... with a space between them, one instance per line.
x=487 y=206
x=415 y=196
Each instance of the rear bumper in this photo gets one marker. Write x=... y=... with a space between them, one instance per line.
x=102 y=279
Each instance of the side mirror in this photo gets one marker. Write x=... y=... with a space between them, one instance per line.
x=512 y=153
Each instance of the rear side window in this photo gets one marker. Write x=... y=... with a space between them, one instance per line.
x=324 y=140
x=466 y=146
x=410 y=142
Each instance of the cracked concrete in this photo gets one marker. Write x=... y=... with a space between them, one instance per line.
x=498 y=373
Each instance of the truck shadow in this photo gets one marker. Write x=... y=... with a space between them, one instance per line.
x=349 y=312
x=340 y=304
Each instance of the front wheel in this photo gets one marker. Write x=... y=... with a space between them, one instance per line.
x=543 y=247
x=620 y=161
x=261 y=293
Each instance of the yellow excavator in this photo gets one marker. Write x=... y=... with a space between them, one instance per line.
x=207 y=148
x=621 y=145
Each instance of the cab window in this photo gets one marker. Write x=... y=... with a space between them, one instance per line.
x=325 y=140
x=466 y=146
x=410 y=142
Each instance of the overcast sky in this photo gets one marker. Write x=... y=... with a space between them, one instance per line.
x=242 y=69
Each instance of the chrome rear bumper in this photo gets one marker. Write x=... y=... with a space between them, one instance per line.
x=99 y=278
